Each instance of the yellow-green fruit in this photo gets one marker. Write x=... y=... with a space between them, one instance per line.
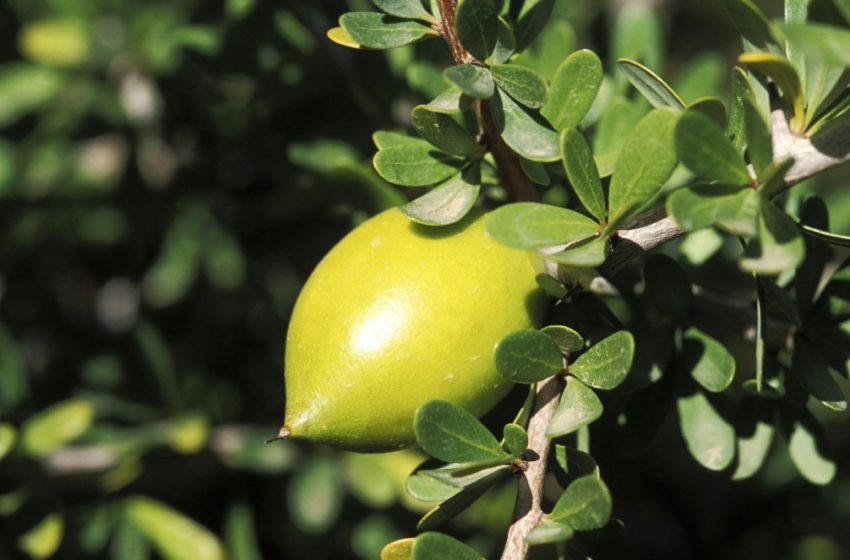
x=398 y=314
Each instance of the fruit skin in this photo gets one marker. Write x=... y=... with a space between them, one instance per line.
x=398 y=314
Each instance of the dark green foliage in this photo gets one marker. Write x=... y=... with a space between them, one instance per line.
x=170 y=172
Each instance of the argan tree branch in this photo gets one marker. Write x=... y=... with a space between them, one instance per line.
x=828 y=148
x=527 y=512
x=511 y=175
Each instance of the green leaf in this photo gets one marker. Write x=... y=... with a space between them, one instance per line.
x=551 y=286
x=549 y=532
x=704 y=149
x=477 y=26
x=443 y=132
x=606 y=364
x=701 y=77
x=582 y=172
x=25 y=88
x=173 y=535
x=668 y=286
x=535 y=171
x=778 y=246
x=451 y=101
x=523 y=84
x=8 y=436
x=779 y=70
x=473 y=80
x=828 y=43
x=408 y=9
x=650 y=85
x=740 y=92
x=387 y=139
x=525 y=132
x=450 y=433
x=809 y=449
x=56 y=426
x=341 y=37
x=637 y=35
x=566 y=338
x=43 y=539
x=759 y=145
x=436 y=546
x=505 y=43
x=313 y=497
x=444 y=482
x=446 y=204
x=754 y=438
x=612 y=130
x=773 y=178
x=585 y=504
x=415 y=166
x=811 y=369
x=378 y=31
x=711 y=107
x=573 y=464
x=587 y=254
x=401 y=549
x=516 y=438
x=530 y=225
x=579 y=407
x=240 y=536
x=528 y=356
x=463 y=499
x=710 y=437
x=533 y=17
x=646 y=162
x=710 y=364
x=753 y=25
x=573 y=90
x=728 y=207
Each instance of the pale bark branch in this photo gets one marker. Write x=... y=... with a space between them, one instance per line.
x=527 y=511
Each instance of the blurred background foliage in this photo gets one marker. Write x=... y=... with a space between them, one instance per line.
x=170 y=172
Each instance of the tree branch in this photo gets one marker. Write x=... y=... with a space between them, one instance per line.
x=511 y=175
x=527 y=512
x=827 y=148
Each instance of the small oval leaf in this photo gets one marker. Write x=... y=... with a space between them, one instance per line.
x=579 y=407
x=450 y=433
x=585 y=504
x=606 y=364
x=528 y=356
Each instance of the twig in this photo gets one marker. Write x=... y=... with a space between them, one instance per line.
x=527 y=512
x=511 y=175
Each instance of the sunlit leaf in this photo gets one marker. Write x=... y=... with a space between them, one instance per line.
x=56 y=426
x=530 y=225
x=528 y=356
x=579 y=407
x=709 y=436
x=436 y=546
x=582 y=172
x=584 y=505
x=172 y=534
x=645 y=163
x=378 y=31
x=525 y=132
x=650 y=85
x=606 y=364
x=450 y=433
x=573 y=90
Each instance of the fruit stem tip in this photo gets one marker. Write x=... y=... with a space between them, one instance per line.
x=284 y=433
